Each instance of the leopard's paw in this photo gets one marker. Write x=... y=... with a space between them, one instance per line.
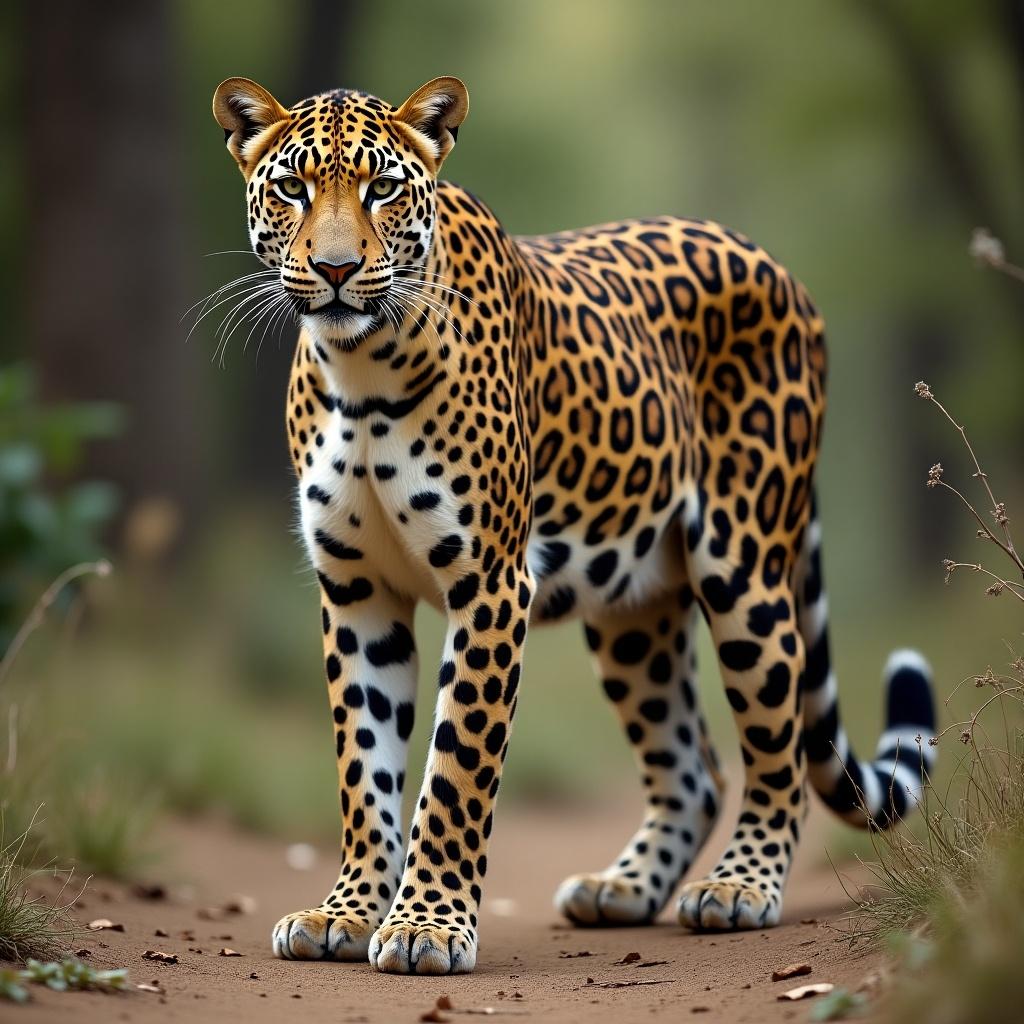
x=727 y=905
x=405 y=948
x=321 y=935
x=597 y=899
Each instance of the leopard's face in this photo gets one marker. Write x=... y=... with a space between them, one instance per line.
x=340 y=194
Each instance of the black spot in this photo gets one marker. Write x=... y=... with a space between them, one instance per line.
x=776 y=687
x=631 y=647
x=444 y=791
x=495 y=738
x=463 y=592
x=424 y=500
x=616 y=689
x=739 y=655
x=379 y=705
x=445 y=551
x=643 y=542
x=335 y=548
x=347 y=641
x=404 y=715
x=395 y=648
x=445 y=737
x=338 y=594
x=654 y=710
x=600 y=569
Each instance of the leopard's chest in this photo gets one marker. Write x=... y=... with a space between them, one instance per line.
x=357 y=502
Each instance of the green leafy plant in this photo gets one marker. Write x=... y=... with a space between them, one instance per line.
x=44 y=525
x=67 y=975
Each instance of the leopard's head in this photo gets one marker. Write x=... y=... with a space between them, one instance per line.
x=340 y=193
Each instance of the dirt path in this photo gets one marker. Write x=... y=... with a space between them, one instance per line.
x=528 y=966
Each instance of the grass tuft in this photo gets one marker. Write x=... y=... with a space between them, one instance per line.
x=29 y=926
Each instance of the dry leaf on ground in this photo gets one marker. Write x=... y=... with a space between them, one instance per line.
x=806 y=991
x=791 y=971
x=143 y=891
x=629 y=958
x=227 y=951
x=104 y=924
x=240 y=904
x=160 y=956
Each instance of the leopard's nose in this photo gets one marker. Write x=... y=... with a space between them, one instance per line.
x=336 y=274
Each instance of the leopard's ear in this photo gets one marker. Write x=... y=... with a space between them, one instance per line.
x=245 y=111
x=435 y=111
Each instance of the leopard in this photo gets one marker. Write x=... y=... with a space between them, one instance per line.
x=617 y=424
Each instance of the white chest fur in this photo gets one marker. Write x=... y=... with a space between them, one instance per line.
x=357 y=506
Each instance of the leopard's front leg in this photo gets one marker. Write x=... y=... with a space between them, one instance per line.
x=370 y=661
x=432 y=926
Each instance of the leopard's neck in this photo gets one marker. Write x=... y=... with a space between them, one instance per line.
x=399 y=364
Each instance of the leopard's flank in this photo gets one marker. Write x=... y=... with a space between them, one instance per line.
x=618 y=424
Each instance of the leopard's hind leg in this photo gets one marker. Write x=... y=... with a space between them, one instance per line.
x=646 y=660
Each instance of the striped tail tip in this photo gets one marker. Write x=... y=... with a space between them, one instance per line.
x=877 y=794
x=909 y=698
x=904 y=756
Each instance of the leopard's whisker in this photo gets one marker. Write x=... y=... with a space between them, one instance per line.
x=247 y=279
x=239 y=315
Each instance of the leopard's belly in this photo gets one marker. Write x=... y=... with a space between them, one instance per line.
x=575 y=577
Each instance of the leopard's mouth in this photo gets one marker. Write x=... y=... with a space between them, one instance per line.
x=337 y=309
x=342 y=325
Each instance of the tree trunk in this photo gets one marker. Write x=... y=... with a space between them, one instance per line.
x=107 y=260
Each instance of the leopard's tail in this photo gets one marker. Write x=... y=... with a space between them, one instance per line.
x=872 y=794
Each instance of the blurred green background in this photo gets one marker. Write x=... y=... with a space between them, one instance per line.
x=860 y=142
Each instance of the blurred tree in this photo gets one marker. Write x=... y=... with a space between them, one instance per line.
x=106 y=248
x=954 y=155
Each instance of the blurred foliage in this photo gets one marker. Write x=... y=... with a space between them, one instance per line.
x=45 y=527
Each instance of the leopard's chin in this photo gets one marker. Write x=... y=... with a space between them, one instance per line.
x=342 y=329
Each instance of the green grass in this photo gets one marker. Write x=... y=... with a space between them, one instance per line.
x=969 y=967
x=29 y=926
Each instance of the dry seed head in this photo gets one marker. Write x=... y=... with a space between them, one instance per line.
x=922 y=390
x=986 y=248
x=950 y=566
x=1000 y=513
x=995 y=589
x=935 y=475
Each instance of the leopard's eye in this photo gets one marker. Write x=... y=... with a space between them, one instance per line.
x=383 y=188
x=292 y=188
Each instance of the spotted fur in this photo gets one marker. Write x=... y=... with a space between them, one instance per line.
x=618 y=424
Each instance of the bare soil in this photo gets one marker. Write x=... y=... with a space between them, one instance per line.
x=532 y=965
